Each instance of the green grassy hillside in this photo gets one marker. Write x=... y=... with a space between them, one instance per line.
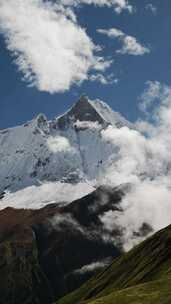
x=154 y=292
x=141 y=276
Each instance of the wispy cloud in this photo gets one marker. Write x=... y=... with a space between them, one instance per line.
x=49 y=47
x=105 y=80
x=94 y=266
x=118 y=5
x=112 y=32
x=150 y=7
x=130 y=45
x=152 y=95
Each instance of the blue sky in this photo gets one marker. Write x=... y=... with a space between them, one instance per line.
x=19 y=102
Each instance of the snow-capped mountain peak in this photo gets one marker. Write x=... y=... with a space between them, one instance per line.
x=69 y=148
x=95 y=111
x=83 y=110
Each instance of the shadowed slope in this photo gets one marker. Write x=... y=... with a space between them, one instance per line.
x=49 y=252
x=146 y=263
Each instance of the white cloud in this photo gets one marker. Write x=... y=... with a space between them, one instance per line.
x=105 y=80
x=144 y=161
x=99 y=78
x=93 y=266
x=112 y=33
x=49 y=47
x=59 y=144
x=35 y=197
x=152 y=8
x=87 y=125
x=129 y=156
x=118 y=5
x=65 y=219
x=148 y=202
x=130 y=45
x=101 y=64
x=154 y=93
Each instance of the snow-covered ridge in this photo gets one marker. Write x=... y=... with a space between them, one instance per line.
x=67 y=149
x=111 y=117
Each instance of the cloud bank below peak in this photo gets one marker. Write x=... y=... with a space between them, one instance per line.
x=142 y=158
x=49 y=47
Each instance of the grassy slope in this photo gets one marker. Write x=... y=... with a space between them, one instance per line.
x=154 y=292
x=149 y=261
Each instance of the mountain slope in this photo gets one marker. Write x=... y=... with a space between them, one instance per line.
x=69 y=148
x=48 y=252
x=157 y=292
x=134 y=276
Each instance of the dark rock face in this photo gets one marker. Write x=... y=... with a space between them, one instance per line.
x=21 y=277
x=2 y=194
x=82 y=111
x=42 y=250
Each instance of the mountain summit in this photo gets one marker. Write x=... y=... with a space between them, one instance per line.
x=96 y=111
x=69 y=148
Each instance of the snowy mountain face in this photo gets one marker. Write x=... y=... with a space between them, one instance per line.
x=67 y=149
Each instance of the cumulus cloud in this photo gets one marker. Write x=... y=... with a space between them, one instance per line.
x=130 y=45
x=145 y=162
x=149 y=202
x=118 y=5
x=129 y=157
x=49 y=47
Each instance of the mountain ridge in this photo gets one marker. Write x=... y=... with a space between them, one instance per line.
x=94 y=110
x=68 y=148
